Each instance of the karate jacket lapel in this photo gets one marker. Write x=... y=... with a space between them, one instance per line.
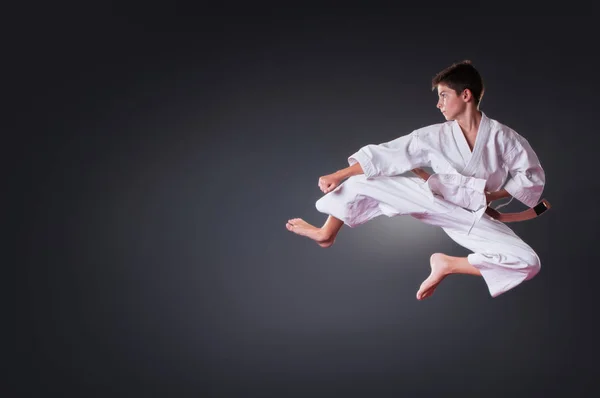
x=472 y=159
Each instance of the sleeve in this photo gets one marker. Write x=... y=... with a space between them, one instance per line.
x=527 y=177
x=391 y=158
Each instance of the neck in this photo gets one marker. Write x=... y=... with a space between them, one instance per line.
x=469 y=121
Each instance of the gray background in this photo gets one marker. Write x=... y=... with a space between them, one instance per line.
x=156 y=156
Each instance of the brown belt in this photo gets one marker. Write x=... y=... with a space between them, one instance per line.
x=528 y=214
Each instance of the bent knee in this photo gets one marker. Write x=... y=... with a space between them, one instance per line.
x=321 y=204
x=532 y=264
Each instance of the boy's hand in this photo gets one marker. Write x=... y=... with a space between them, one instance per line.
x=329 y=182
x=490 y=197
x=421 y=173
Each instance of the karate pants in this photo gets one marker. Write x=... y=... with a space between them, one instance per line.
x=503 y=258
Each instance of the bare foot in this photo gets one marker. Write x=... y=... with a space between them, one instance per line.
x=440 y=264
x=301 y=227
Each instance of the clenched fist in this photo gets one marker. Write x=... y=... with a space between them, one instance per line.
x=329 y=182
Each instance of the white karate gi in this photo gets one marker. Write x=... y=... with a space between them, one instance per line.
x=453 y=198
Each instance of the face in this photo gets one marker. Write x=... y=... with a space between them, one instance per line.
x=449 y=102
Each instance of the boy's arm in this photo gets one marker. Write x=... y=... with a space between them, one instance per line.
x=350 y=171
x=394 y=157
x=527 y=177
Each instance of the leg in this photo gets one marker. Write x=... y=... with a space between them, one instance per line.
x=498 y=255
x=324 y=236
x=502 y=257
x=443 y=265
x=359 y=200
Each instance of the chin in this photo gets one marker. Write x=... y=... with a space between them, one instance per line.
x=448 y=117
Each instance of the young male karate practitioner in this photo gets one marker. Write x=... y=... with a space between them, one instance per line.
x=475 y=160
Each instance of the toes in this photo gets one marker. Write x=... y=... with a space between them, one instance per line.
x=421 y=295
x=426 y=289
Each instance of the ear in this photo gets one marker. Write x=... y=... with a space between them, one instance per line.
x=466 y=95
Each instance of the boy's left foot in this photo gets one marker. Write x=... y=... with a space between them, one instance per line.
x=301 y=227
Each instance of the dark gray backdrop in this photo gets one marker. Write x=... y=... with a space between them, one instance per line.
x=156 y=156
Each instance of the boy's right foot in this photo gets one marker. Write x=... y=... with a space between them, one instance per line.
x=301 y=227
x=440 y=266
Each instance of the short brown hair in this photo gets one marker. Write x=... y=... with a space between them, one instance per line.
x=459 y=77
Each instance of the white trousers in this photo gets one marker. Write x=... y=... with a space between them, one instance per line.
x=503 y=258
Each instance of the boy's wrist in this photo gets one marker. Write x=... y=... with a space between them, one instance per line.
x=343 y=173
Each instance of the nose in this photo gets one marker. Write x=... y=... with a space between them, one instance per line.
x=439 y=105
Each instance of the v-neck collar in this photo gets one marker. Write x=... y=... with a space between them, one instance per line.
x=471 y=158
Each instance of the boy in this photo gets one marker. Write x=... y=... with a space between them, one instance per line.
x=475 y=160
